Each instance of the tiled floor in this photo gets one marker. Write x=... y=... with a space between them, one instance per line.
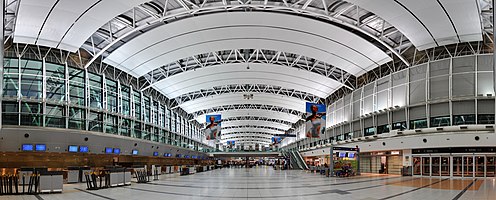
x=266 y=183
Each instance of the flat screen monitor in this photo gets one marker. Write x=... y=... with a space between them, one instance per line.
x=117 y=151
x=342 y=154
x=351 y=155
x=155 y=153
x=73 y=148
x=40 y=147
x=83 y=149
x=27 y=147
x=179 y=155
x=108 y=150
x=134 y=152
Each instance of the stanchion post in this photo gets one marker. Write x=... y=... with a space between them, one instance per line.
x=331 y=161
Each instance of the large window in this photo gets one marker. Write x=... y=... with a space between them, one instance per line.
x=10 y=113
x=111 y=87
x=137 y=105
x=95 y=121
x=399 y=126
x=55 y=116
x=383 y=129
x=485 y=119
x=77 y=118
x=146 y=111
x=419 y=123
x=111 y=124
x=11 y=78
x=76 y=87
x=95 y=85
x=55 y=82
x=463 y=119
x=31 y=79
x=126 y=105
x=440 y=121
x=369 y=131
x=31 y=114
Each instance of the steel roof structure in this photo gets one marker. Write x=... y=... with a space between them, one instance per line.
x=254 y=62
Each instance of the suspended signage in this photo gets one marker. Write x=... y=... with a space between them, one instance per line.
x=315 y=120
x=212 y=130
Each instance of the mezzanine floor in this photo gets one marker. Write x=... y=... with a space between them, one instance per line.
x=266 y=183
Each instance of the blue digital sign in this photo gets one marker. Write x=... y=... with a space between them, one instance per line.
x=155 y=153
x=134 y=152
x=27 y=147
x=342 y=154
x=40 y=147
x=117 y=151
x=83 y=149
x=73 y=148
x=108 y=150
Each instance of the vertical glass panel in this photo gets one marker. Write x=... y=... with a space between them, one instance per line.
x=55 y=82
x=125 y=128
x=95 y=85
x=95 y=121
x=31 y=114
x=111 y=124
x=77 y=118
x=76 y=86
x=11 y=78
x=126 y=106
x=146 y=111
x=55 y=116
x=10 y=113
x=111 y=95
x=463 y=85
x=137 y=130
x=137 y=105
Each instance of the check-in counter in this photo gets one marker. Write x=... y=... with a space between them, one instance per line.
x=119 y=177
x=51 y=181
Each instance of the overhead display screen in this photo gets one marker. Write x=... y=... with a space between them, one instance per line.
x=108 y=150
x=73 y=148
x=27 y=147
x=134 y=152
x=117 y=151
x=83 y=149
x=40 y=147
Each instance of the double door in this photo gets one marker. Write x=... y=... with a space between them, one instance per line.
x=455 y=165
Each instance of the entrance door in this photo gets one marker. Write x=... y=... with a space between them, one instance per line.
x=480 y=167
x=417 y=166
x=436 y=164
x=468 y=166
x=445 y=166
x=490 y=166
x=426 y=166
x=457 y=166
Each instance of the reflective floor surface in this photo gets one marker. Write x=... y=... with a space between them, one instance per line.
x=266 y=183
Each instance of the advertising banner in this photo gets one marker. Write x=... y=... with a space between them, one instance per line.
x=212 y=130
x=315 y=120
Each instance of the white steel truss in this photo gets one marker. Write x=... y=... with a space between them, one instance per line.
x=265 y=134
x=246 y=88
x=265 y=119
x=253 y=126
x=248 y=56
x=219 y=109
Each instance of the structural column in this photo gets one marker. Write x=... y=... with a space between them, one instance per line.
x=2 y=19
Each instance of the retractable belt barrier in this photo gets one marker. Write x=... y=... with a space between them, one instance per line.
x=97 y=180
x=9 y=184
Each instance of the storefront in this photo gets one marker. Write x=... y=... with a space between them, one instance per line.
x=461 y=162
x=387 y=162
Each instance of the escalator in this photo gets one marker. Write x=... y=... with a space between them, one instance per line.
x=299 y=160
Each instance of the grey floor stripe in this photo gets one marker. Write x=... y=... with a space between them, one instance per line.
x=95 y=194
x=38 y=197
x=406 y=192
x=464 y=190
x=270 y=188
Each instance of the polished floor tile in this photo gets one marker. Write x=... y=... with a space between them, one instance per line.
x=266 y=183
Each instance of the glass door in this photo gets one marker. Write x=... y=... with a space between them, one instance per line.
x=457 y=166
x=436 y=164
x=480 y=167
x=445 y=166
x=490 y=166
x=417 y=166
x=468 y=166
x=426 y=166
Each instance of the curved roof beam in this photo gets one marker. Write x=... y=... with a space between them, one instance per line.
x=263 y=60
x=267 y=6
x=247 y=113
x=173 y=41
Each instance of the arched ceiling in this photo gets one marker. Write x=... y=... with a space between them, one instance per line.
x=256 y=64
